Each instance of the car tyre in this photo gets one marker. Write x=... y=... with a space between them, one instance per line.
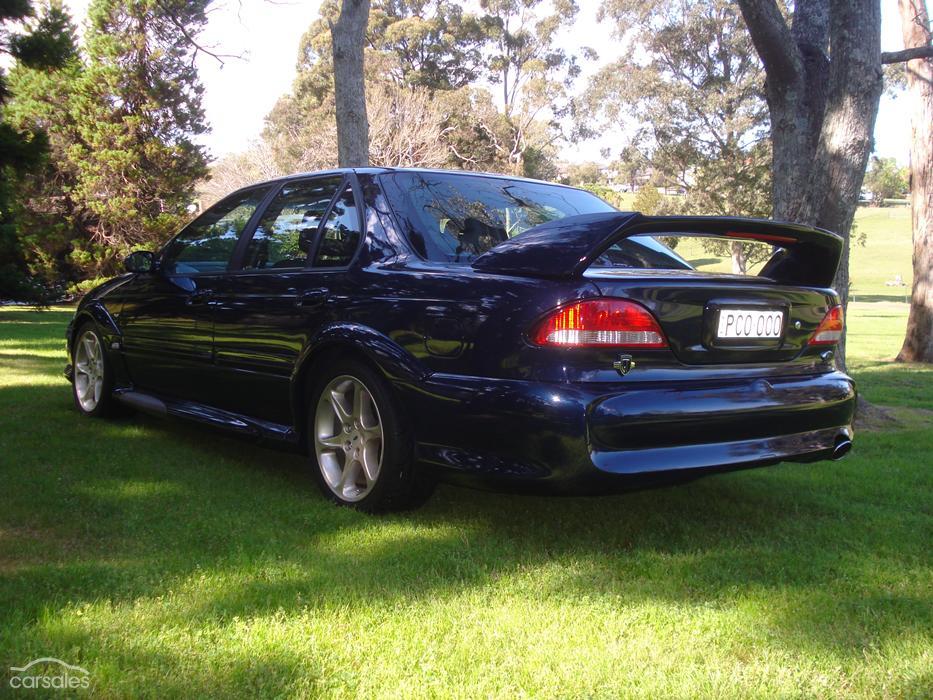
x=92 y=381
x=360 y=444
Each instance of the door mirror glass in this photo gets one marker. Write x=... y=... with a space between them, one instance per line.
x=139 y=261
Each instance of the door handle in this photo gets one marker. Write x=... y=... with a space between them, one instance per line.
x=198 y=298
x=311 y=297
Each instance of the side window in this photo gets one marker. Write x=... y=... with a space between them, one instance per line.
x=287 y=229
x=207 y=243
x=341 y=234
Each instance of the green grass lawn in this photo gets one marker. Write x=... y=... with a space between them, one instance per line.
x=174 y=562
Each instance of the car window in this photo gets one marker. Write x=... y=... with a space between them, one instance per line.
x=341 y=234
x=455 y=217
x=207 y=243
x=288 y=227
x=643 y=253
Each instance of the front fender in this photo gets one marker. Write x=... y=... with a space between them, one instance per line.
x=97 y=312
x=94 y=310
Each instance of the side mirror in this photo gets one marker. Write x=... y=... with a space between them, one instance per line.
x=140 y=261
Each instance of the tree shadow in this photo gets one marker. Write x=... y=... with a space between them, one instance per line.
x=140 y=508
x=901 y=298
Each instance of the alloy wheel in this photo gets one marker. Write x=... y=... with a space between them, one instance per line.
x=89 y=371
x=348 y=438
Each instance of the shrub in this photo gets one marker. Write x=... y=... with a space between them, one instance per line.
x=15 y=285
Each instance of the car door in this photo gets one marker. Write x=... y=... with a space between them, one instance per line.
x=292 y=269
x=166 y=317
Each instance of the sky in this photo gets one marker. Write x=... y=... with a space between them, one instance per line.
x=265 y=35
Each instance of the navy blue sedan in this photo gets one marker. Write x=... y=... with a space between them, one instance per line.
x=404 y=326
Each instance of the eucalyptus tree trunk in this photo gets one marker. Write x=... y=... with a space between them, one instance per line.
x=915 y=23
x=739 y=261
x=348 y=35
x=823 y=108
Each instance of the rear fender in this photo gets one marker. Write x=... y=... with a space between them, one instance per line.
x=387 y=356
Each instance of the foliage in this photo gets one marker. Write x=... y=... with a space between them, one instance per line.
x=238 y=170
x=80 y=288
x=605 y=193
x=690 y=80
x=122 y=160
x=49 y=217
x=532 y=70
x=137 y=107
x=423 y=62
x=405 y=123
x=647 y=200
x=435 y=44
x=17 y=286
x=692 y=83
x=885 y=180
x=41 y=44
x=405 y=129
x=632 y=166
x=582 y=173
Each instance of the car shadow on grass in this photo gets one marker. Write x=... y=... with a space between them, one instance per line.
x=140 y=510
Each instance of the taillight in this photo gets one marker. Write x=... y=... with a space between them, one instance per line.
x=600 y=323
x=829 y=332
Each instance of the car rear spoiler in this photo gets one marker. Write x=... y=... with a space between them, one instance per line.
x=565 y=248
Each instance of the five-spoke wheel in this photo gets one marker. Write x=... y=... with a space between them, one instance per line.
x=90 y=372
x=362 y=445
x=348 y=438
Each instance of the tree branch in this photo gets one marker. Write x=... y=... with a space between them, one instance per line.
x=198 y=48
x=907 y=54
x=772 y=39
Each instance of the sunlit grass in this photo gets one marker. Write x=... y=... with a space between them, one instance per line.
x=173 y=562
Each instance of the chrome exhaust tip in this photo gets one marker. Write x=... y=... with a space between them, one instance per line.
x=843 y=445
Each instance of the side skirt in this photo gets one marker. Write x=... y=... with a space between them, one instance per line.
x=207 y=415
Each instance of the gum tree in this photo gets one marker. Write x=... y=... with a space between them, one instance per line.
x=915 y=23
x=349 y=34
x=823 y=65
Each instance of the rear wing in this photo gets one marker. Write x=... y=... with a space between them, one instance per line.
x=565 y=248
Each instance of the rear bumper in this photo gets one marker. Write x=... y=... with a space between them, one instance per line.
x=580 y=436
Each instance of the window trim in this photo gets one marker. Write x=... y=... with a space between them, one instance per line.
x=353 y=182
x=250 y=224
x=348 y=178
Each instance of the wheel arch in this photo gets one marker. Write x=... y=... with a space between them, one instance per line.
x=96 y=313
x=350 y=341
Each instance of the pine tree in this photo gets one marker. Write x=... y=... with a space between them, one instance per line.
x=41 y=44
x=138 y=111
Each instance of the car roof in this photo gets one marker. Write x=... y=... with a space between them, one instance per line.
x=377 y=170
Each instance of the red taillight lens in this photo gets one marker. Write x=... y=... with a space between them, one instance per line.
x=600 y=323
x=829 y=332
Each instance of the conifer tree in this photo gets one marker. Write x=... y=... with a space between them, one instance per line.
x=138 y=111
x=43 y=44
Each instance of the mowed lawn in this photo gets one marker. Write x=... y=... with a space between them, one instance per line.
x=173 y=562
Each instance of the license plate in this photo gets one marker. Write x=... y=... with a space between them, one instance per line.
x=747 y=323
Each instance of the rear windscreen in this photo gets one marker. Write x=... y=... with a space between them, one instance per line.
x=693 y=251
x=642 y=253
x=453 y=217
